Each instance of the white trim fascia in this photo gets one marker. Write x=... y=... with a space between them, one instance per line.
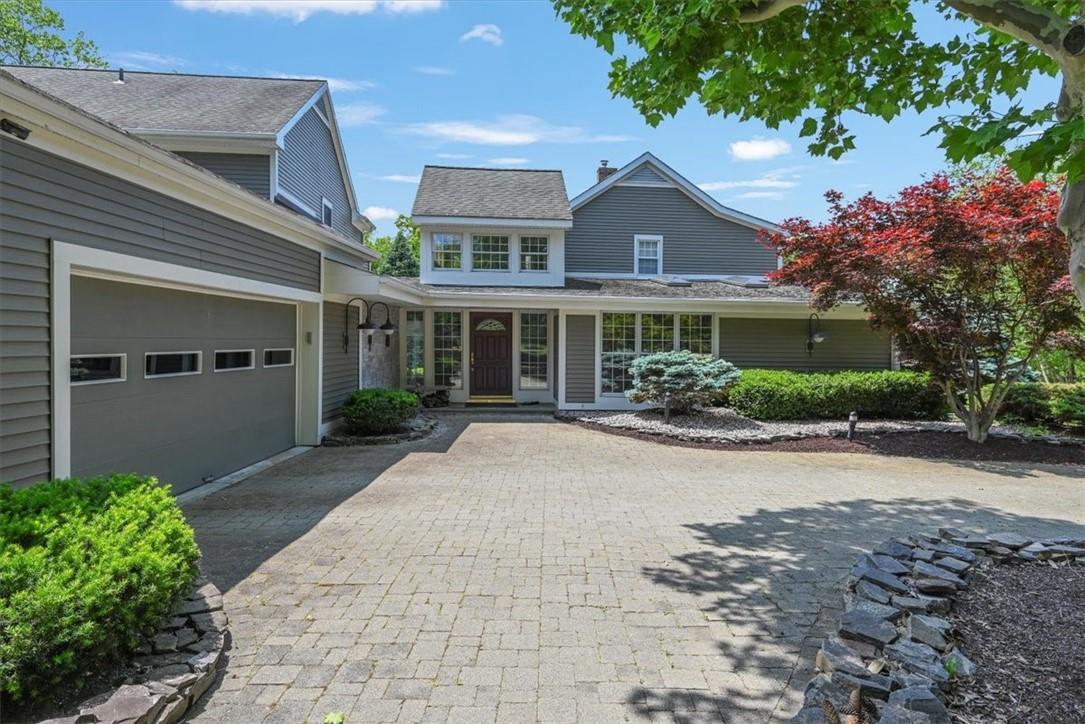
x=273 y=168
x=301 y=205
x=586 y=301
x=64 y=130
x=280 y=136
x=483 y=221
x=680 y=182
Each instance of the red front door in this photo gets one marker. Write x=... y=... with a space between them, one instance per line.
x=491 y=354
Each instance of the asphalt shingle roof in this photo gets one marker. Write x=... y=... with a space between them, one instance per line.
x=635 y=288
x=492 y=193
x=175 y=101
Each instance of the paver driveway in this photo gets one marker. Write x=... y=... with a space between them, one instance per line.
x=523 y=569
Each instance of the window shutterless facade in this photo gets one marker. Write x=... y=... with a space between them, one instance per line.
x=415 y=340
x=647 y=255
x=172 y=364
x=283 y=357
x=534 y=351
x=448 y=349
x=534 y=253
x=92 y=369
x=447 y=251
x=234 y=360
x=628 y=335
x=489 y=252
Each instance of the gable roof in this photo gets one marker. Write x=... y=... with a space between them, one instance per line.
x=175 y=101
x=491 y=193
x=633 y=173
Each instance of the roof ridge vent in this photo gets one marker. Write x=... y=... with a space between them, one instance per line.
x=672 y=280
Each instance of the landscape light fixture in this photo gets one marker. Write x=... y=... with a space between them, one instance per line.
x=367 y=325
x=814 y=335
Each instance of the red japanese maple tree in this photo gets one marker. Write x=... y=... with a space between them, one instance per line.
x=968 y=273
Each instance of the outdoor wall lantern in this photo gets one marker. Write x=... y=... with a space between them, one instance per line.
x=814 y=335
x=368 y=327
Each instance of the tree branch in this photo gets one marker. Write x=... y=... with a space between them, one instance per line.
x=761 y=10
x=1027 y=22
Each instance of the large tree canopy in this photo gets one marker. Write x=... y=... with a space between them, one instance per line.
x=30 y=35
x=814 y=61
x=968 y=273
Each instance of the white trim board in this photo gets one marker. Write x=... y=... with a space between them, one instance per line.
x=484 y=221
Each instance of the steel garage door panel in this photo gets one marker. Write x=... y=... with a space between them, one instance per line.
x=183 y=429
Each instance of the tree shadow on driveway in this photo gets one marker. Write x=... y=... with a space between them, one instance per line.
x=770 y=582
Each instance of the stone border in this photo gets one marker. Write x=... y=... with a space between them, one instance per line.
x=890 y=644
x=869 y=427
x=176 y=666
x=420 y=428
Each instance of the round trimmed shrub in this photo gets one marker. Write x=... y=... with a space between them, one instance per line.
x=87 y=567
x=787 y=395
x=379 y=410
x=679 y=381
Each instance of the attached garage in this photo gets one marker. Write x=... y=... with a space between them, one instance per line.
x=184 y=385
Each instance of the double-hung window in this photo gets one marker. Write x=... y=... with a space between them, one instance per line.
x=489 y=252
x=647 y=255
x=534 y=253
x=447 y=251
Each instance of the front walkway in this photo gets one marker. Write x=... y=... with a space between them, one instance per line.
x=522 y=569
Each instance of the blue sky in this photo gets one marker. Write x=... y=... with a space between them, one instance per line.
x=496 y=84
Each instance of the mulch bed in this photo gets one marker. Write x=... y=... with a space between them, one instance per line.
x=1024 y=627
x=932 y=445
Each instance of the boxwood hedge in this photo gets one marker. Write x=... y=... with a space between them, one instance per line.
x=1048 y=405
x=786 y=395
x=378 y=411
x=86 y=568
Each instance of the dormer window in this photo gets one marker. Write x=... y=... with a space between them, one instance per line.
x=647 y=255
x=326 y=211
x=447 y=251
x=489 y=253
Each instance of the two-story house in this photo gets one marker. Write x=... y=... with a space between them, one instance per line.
x=527 y=296
x=178 y=256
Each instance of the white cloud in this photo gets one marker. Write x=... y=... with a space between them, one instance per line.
x=507 y=161
x=400 y=178
x=336 y=85
x=759 y=149
x=771 y=195
x=486 y=32
x=143 y=60
x=358 y=114
x=433 y=70
x=301 y=10
x=781 y=178
x=380 y=213
x=454 y=155
x=508 y=130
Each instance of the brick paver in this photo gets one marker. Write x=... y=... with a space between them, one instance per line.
x=525 y=570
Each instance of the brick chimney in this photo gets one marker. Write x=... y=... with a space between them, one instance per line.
x=603 y=171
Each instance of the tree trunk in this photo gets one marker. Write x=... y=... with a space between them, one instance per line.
x=976 y=430
x=1072 y=223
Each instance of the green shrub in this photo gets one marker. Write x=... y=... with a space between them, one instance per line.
x=679 y=381
x=1045 y=405
x=786 y=395
x=1068 y=406
x=86 y=568
x=378 y=411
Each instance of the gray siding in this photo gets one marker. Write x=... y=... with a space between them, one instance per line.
x=340 y=369
x=181 y=429
x=645 y=175
x=250 y=170
x=580 y=358
x=694 y=241
x=781 y=344
x=309 y=170
x=44 y=197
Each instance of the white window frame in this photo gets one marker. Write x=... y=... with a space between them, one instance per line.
x=638 y=346
x=199 y=363
x=328 y=206
x=124 y=369
x=252 y=359
x=637 y=239
x=265 y=365
x=508 y=252
x=433 y=251
x=520 y=254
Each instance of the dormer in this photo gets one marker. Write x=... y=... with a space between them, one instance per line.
x=276 y=137
x=492 y=227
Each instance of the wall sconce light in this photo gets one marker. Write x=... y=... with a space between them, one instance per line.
x=368 y=327
x=814 y=335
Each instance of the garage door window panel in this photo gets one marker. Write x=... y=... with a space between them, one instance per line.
x=234 y=360
x=96 y=369
x=283 y=357
x=172 y=364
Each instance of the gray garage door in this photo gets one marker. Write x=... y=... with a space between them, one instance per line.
x=174 y=415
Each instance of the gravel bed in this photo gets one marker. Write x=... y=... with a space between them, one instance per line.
x=720 y=424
